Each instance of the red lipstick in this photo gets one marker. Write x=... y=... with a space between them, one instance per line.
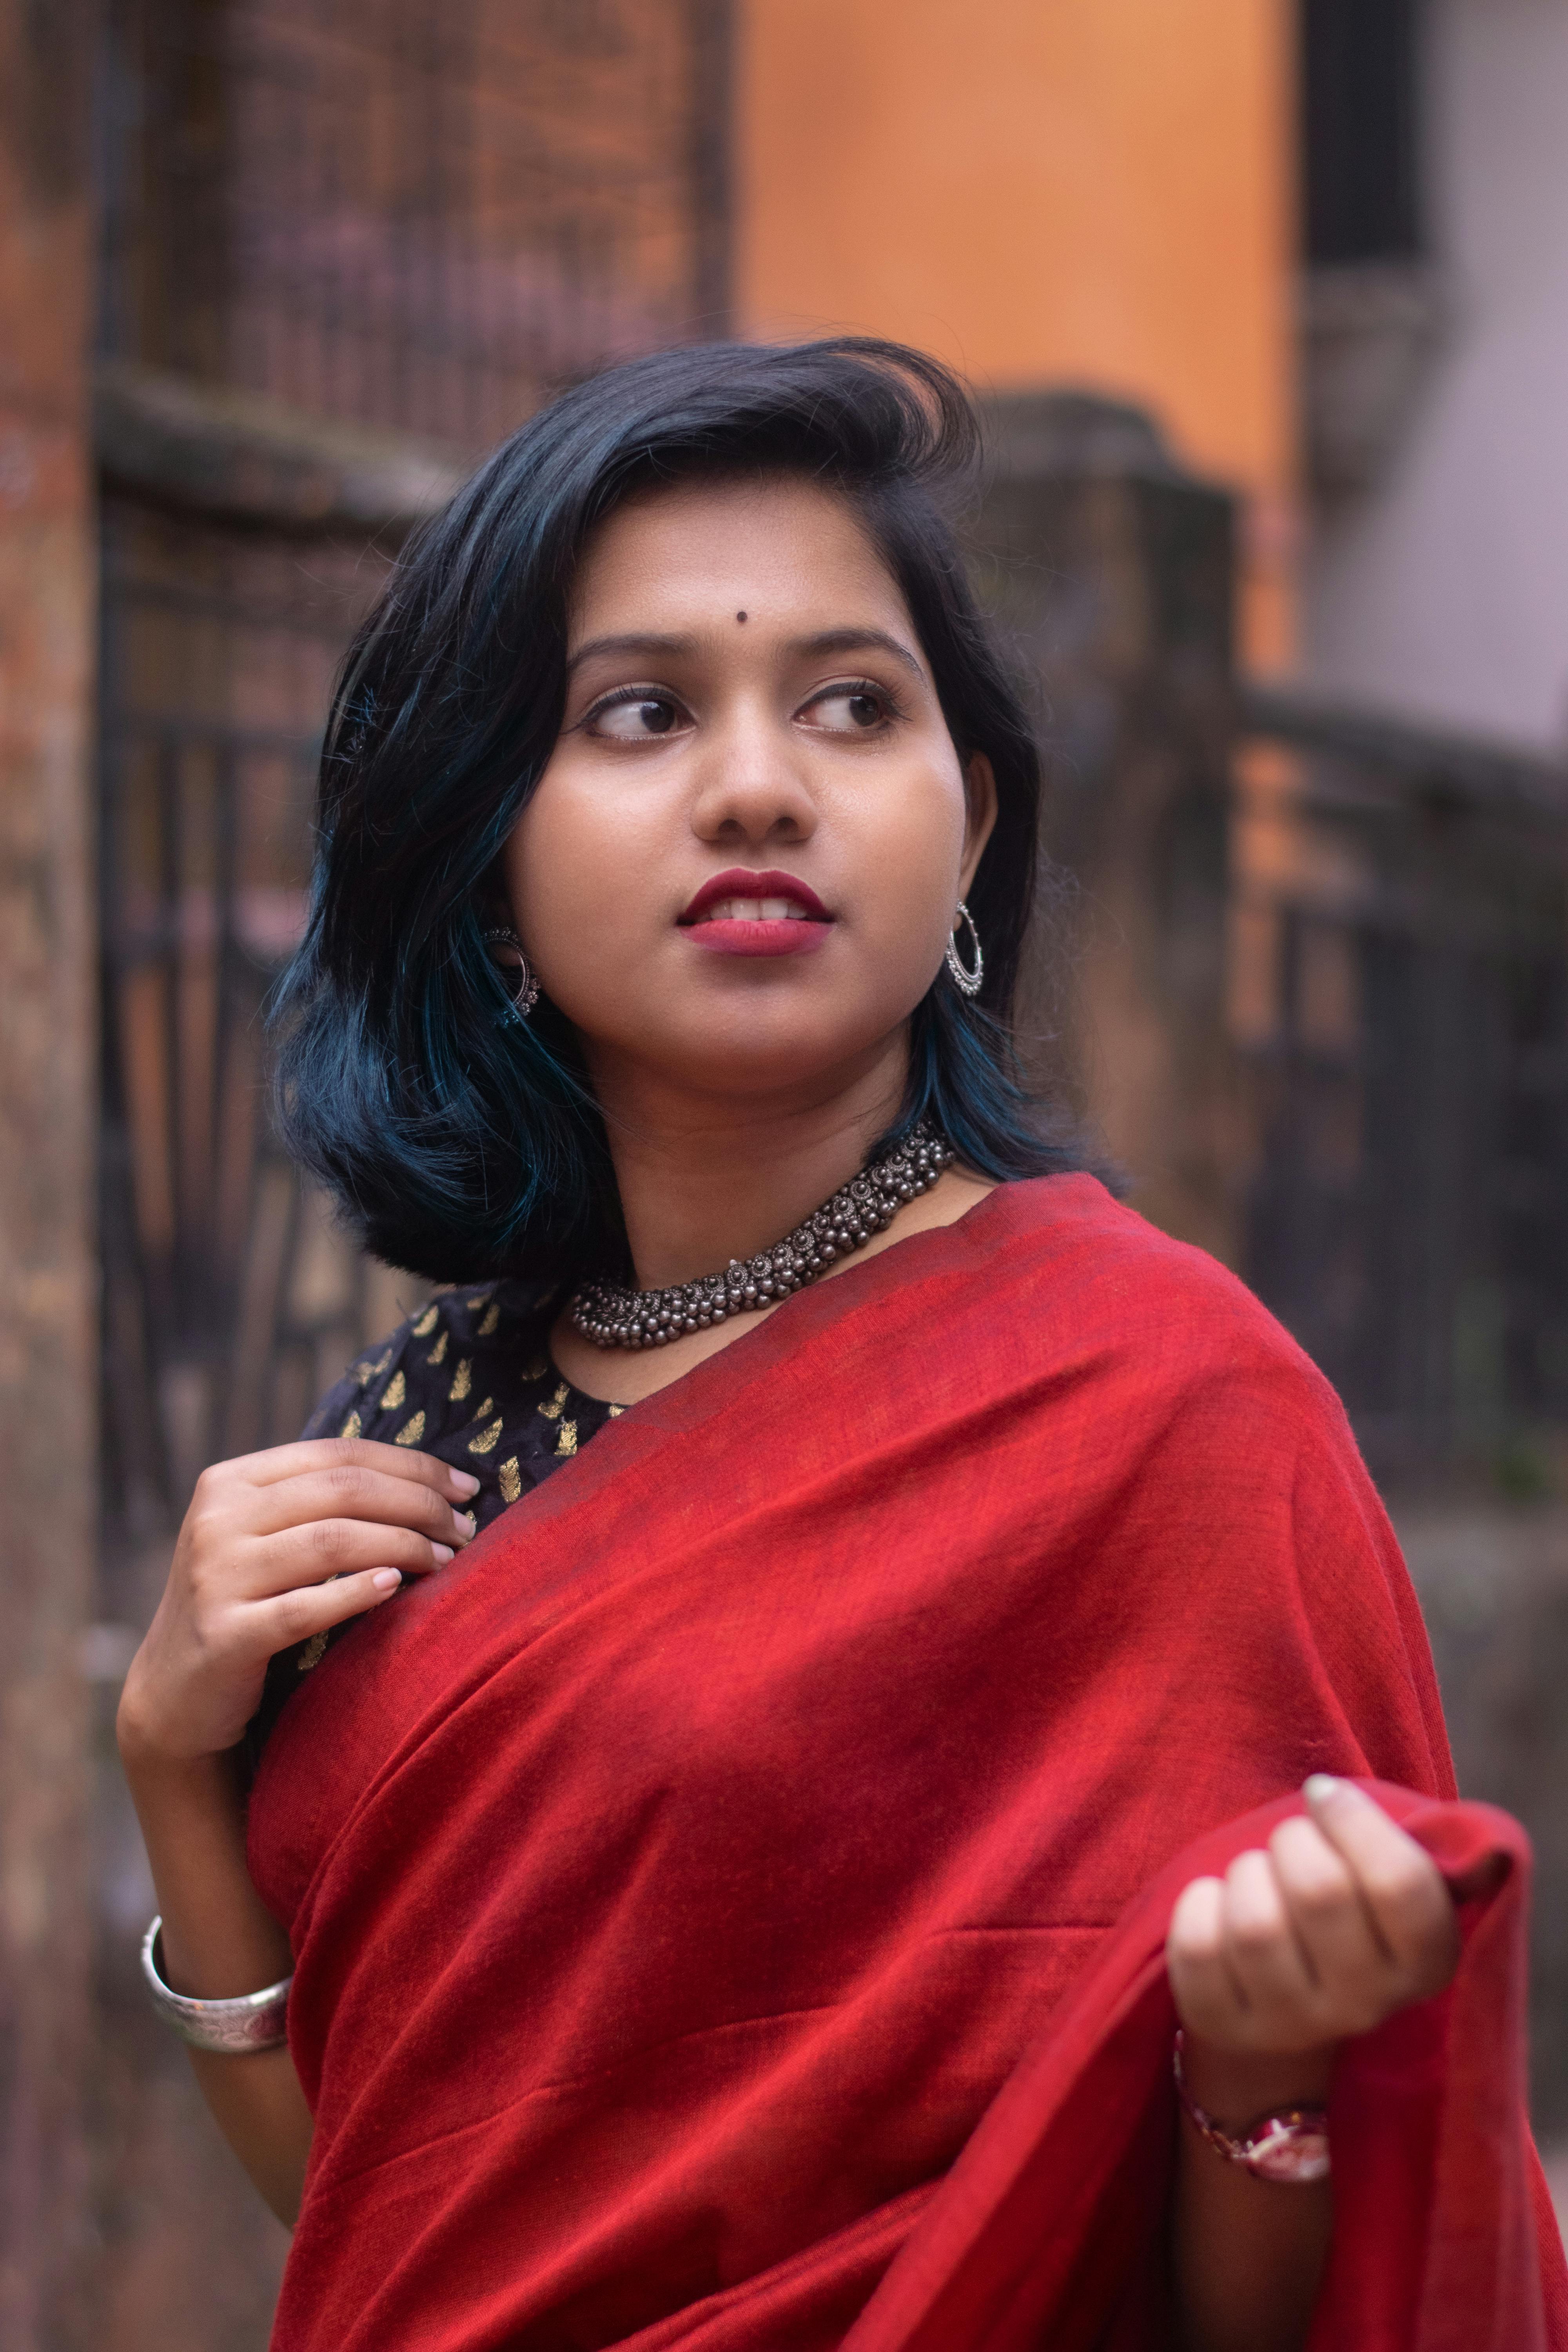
x=746 y=912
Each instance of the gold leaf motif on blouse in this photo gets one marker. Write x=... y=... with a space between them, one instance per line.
x=427 y=1322
x=554 y=1406
x=314 y=1651
x=350 y=1427
x=510 y=1479
x=566 y=1443
x=368 y=1373
x=397 y=1390
x=471 y=1303
x=492 y=1317
x=537 y=1369
x=487 y=1440
x=616 y=1410
x=462 y=1382
x=439 y=1352
x=411 y=1432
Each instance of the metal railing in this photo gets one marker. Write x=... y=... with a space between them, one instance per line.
x=1409 y=1070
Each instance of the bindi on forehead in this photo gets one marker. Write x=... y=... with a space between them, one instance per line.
x=739 y=617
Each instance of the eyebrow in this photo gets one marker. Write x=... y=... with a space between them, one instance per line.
x=855 y=641
x=617 y=648
x=826 y=641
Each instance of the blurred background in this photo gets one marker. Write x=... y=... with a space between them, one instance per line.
x=1268 y=306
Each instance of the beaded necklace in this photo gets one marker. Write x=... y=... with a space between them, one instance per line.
x=613 y=1316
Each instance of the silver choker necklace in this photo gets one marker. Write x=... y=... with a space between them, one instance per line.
x=614 y=1317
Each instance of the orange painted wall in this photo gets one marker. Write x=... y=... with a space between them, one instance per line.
x=1044 y=191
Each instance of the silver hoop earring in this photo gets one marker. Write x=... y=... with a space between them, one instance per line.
x=525 y=996
x=969 y=981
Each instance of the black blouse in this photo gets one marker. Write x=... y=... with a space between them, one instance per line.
x=469 y=1380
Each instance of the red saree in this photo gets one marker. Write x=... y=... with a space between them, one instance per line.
x=727 y=1904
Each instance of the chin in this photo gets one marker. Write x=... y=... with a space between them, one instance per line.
x=744 y=1056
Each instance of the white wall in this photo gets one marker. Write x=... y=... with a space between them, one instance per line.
x=1444 y=592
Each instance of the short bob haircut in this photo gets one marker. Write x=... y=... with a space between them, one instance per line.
x=461 y=1142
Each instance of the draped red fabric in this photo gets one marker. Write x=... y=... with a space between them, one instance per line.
x=727 y=1904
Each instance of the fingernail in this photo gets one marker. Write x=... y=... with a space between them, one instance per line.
x=465 y=1482
x=387 y=1580
x=466 y=1526
x=443 y=1551
x=1320 y=1787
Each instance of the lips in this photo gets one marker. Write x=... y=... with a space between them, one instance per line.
x=785 y=895
x=744 y=912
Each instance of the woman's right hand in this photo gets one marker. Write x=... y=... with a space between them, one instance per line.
x=276 y=1546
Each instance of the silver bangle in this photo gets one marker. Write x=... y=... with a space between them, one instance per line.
x=253 y=2021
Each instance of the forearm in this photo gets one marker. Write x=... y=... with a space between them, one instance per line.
x=1248 y=2254
x=218 y=1940
x=277 y=1547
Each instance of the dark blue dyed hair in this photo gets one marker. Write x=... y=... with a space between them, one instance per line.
x=462 y=1143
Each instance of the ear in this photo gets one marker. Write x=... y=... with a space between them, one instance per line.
x=979 y=800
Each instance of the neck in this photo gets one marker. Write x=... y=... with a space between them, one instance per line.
x=704 y=1178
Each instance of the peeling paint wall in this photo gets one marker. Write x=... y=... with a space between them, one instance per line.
x=48 y=1071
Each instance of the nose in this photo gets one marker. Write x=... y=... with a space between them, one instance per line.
x=752 y=785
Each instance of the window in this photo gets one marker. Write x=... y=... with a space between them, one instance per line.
x=1360 y=131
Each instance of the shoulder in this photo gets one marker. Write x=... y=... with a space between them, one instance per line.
x=1173 y=1385
x=1188 y=1412
x=407 y=1386
x=1116 y=1411
x=1091 y=1278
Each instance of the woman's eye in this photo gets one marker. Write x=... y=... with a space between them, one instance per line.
x=637 y=718
x=850 y=710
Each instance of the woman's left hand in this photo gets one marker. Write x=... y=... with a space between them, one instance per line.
x=1342 y=1920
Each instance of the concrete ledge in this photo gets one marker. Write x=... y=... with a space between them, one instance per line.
x=1078 y=433
x=242 y=457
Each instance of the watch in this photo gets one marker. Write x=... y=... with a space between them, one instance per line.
x=1290 y=2145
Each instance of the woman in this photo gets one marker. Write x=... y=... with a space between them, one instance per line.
x=729 y=1905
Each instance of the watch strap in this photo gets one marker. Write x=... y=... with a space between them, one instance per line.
x=1287 y=2144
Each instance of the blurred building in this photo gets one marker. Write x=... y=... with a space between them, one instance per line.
x=1258 y=299
x=1102 y=196
x=1436 y=581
